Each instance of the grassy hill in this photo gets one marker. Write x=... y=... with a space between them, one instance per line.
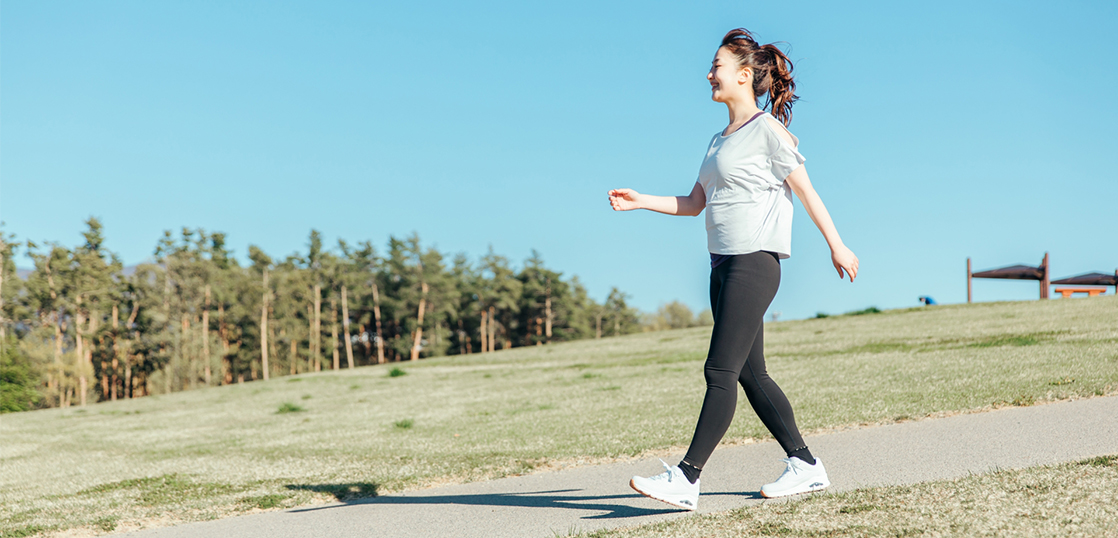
x=297 y=440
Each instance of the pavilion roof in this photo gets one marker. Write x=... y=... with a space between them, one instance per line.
x=1090 y=279
x=1015 y=272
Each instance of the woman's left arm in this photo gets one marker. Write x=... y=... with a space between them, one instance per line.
x=841 y=256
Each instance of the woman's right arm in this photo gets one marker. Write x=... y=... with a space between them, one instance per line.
x=690 y=205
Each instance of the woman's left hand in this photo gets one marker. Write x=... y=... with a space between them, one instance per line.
x=844 y=258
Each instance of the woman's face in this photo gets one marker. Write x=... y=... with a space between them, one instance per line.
x=727 y=80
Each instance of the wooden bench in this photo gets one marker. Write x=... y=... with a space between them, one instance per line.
x=1091 y=292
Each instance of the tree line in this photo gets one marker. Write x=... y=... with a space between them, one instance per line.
x=81 y=327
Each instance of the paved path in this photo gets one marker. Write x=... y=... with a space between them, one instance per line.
x=598 y=497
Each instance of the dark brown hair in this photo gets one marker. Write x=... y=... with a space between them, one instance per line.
x=772 y=71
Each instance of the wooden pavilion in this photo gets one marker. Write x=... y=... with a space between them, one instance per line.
x=1013 y=272
x=1091 y=279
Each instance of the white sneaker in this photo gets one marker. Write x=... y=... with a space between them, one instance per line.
x=671 y=486
x=798 y=477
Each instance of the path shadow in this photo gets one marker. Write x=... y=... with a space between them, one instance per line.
x=616 y=509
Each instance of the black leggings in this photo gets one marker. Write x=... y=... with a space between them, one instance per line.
x=741 y=289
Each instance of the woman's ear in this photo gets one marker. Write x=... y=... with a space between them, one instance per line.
x=745 y=76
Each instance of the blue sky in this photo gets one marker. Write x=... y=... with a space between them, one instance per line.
x=932 y=132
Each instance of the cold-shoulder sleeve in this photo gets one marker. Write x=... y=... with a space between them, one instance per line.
x=785 y=157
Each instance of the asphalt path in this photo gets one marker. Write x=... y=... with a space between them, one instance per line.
x=597 y=497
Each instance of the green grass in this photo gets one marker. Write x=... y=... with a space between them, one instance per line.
x=288 y=407
x=219 y=451
x=1073 y=499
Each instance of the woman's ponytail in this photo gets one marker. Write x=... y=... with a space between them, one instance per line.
x=782 y=87
x=772 y=72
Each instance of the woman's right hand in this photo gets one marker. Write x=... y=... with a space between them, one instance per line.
x=844 y=258
x=624 y=199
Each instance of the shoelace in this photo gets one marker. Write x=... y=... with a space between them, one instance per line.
x=666 y=475
x=789 y=467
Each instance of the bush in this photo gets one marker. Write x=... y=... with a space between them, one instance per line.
x=673 y=315
x=19 y=387
x=870 y=310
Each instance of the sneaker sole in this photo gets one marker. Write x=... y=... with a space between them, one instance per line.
x=673 y=503
x=798 y=491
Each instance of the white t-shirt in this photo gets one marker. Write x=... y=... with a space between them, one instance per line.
x=749 y=205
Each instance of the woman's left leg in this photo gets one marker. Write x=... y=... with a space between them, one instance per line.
x=770 y=403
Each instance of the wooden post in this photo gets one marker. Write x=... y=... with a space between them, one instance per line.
x=1044 y=277
x=968 y=281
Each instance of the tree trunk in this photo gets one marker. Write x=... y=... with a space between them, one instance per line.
x=598 y=333
x=129 y=358
x=58 y=356
x=380 y=335
x=128 y=391
x=264 y=328
x=310 y=338
x=116 y=350
x=345 y=327
x=105 y=377
x=222 y=334
x=461 y=338
x=105 y=373
x=206 y=337
x=170 y=368
x=547 y=312
x=294 y=358
x=418 y=337
x=57 y=338
x=334 y=333
x=186 y=359
x=483 y=330
x=316 y=333
x=492 y=329
x=3 y=332
x=79 y=316
x=419 y=322
x=366 y=341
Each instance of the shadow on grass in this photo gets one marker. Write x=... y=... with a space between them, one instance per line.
x=619 y=508
x=341 y=492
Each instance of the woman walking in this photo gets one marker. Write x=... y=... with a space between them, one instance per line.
x=745 y=183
